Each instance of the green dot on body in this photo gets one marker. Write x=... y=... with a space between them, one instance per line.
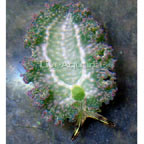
x=78 y=93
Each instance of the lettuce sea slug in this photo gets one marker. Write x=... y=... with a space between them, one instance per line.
x=71 y=66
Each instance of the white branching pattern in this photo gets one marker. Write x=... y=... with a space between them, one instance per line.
x=67 y=26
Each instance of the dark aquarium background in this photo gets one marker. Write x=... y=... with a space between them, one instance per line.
x=24 y=122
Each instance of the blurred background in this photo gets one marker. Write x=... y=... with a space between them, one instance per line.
x=24 y=122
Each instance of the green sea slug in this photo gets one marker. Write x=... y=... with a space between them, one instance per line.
x=71 y=66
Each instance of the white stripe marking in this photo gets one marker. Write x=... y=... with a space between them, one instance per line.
x=82 y=57
x=44 y=49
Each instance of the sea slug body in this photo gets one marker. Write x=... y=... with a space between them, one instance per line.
x=71 y=65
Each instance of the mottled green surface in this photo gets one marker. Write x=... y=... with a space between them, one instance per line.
x=23 y=126
x=68 y=34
